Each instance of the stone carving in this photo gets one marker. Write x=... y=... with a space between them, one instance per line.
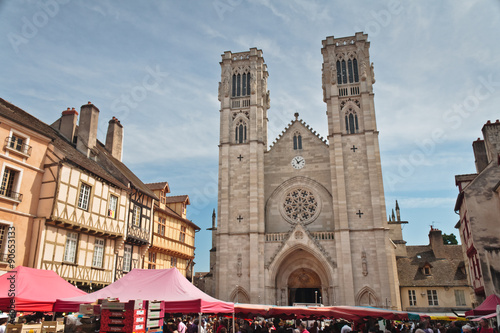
x=373 y=73
x=238 y=265
x=253 y=84
x=299 y=235
x=268 y=99
x=364 y=263
x=333 y=73
x=227 y=76
x=363 y=71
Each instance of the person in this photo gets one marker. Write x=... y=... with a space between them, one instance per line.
x=181 y=327
x=193 y=328
x=346 y=329
x=303 y=327
x=454 y=328
x=466 y=329
x=4 y=318
x=484 y=326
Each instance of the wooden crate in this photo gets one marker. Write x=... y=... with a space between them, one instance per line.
x=24 y=328
x=52 y=327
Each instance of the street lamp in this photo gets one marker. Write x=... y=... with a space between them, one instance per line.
x=316 y=296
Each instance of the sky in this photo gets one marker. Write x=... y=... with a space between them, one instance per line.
x=155 y=66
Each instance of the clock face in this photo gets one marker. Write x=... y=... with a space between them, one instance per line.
x=298 y=162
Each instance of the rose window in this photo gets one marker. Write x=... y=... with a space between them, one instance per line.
x=300 y=205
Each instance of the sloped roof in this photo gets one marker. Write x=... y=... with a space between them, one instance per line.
x=178 y=198
x=444 y=272
x=106 y=167
x=169 y=211
x=71 y=154
x=158 y=186
x=306 y=126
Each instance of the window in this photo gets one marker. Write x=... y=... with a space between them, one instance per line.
x=412 y=298
x=182 y=236
x=9 y=184
x=84 y=198
x=113 y=204
x=427 y=270
x=161 y=226
x=152 y=260
x=18 y=143
x=351 y=122
x=460 y=298
x=70 y=248
x=432 y=297
x=241 y=85
x=173 y=262
x=136 y=216
x=98 y=253
x=297 y=141
x=350 y=73
x=127 y=258
x=240 y=131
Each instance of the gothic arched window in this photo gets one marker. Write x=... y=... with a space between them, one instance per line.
x=339 y=73
x=234 y=85
x=355 y=64
x=351 y=122
x=297 y=141
x=240 y=132
x=344 y=73
x=241 y=85
x=349 y=67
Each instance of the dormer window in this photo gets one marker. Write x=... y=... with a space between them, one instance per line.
x=427 y=270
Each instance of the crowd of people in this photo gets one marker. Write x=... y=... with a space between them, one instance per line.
x=214 y=325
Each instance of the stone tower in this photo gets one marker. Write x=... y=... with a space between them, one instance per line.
x=243 y=140
x=303 y=221
x=356 y=174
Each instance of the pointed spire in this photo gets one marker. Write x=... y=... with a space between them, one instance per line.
x=393 y=216
x=213 y=219
x=296 y=114
x=397 y=211
x=390 y=218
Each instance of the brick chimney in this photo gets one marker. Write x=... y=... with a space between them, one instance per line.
x=436 y=242
x=87 y=128
x=67 y=123
x=480 y=155
x=491 y=134
x=114 y=138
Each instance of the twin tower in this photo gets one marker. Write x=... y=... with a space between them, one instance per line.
x=303 y=221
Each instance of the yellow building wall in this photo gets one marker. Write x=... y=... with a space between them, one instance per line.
x=446 y=297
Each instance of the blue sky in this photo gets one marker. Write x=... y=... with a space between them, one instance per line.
x=155 y=66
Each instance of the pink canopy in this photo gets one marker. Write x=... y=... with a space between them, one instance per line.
x=168 y=285
x=487 y=307
x=30 y=289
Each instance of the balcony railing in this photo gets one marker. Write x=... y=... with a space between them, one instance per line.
x=240 y=102
x=13 y=143
x=11 y=194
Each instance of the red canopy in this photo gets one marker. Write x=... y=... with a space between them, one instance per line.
x=168 y=285
x=31 y=289
x=487 y=307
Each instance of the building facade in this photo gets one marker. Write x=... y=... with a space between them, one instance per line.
x=85 y=215
x=303 y=221
x=173 y=234
x=22 y=169
x=478 y=205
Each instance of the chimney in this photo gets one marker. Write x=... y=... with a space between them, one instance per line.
x=480 y=155
x=491 y=134
x=67 y=124
x=87 y=128
x=436 y=242
x=114 y=138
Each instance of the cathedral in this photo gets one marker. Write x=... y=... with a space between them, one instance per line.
x=304 y=220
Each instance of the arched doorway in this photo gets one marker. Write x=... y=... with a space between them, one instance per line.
x=304 y=286
x=302 y=275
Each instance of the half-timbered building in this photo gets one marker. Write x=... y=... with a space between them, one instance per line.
x=173 y=233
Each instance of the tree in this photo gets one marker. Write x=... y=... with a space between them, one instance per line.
x=450 y=239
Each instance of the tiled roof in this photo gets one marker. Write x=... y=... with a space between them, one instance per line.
x=177 y=198
x=157 y=186
x=448 y=271
x=105 y=166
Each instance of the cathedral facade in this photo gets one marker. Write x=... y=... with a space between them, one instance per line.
x=303 y=221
